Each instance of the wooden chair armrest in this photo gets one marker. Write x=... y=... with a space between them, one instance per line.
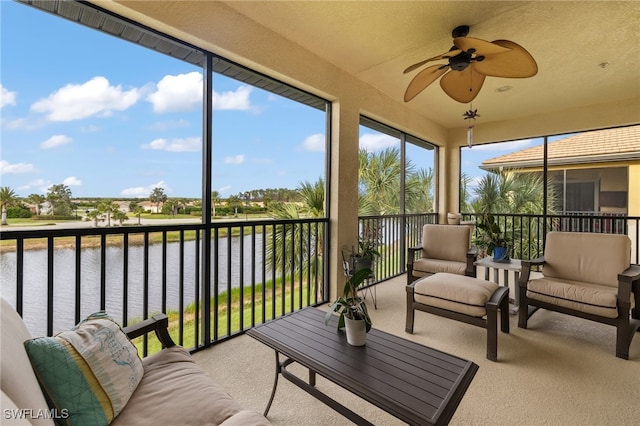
x=412 y=254
x=526 y=270
x=157 y=323
x=632 y=273
x=628 y=281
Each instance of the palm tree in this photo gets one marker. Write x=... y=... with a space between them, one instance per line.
x=308 y=257
x=419 y=191
x=7 y=198
x=379 y=182
x=137 y=211
x=108 y=207
x=515 y=192
x=215 y=199
x=94 y=215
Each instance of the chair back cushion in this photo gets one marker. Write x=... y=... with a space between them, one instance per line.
x=19 y=383
x=446 y=242
x=587 y=257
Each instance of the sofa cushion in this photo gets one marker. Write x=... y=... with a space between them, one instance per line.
x=456 y=293
x=586 y=257
x=90 y=371
x=19 y=383
x=590 y=298
x=171 y=377
x=446 y=242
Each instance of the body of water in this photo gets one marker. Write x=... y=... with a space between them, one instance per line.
x=35 y=279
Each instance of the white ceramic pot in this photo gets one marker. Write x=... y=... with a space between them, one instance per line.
x=453 y=218
x=356 y=331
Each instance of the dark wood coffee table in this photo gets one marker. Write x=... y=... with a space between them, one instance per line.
x=417 y=384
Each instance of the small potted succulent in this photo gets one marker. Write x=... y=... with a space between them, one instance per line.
x=353 y=314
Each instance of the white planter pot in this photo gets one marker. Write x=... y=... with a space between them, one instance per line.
x=356 y=331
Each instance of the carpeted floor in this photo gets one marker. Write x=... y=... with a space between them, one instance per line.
x=560 y=371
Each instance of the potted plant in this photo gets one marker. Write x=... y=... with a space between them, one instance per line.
x=493 y=239
x=363 y=258
x=353 y=314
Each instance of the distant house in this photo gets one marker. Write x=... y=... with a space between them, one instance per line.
x=592 y=172
x=150 y=207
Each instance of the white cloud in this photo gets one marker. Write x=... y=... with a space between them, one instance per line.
x=182 y=92
x=6 y=97
x=237 y=159
x=144 y=191
x=225 y=188
x=16 y=168
x=96 y=97
x=55 y=141
x=314 y=143
x=72 y=181
x=175 y=145
x=238 y=100
x=375 y=141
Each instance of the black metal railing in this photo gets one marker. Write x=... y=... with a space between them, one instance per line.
x=528 y=232
x=257 y=270
x=394 y=233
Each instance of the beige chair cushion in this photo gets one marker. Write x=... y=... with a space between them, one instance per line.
x=423 y=267
x=19 y=382
x=456 y=293
x=446 y=242
x=170 y=376
x=586 y=257
x=580 y=296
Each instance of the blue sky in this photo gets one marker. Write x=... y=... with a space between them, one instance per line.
x=112 y=119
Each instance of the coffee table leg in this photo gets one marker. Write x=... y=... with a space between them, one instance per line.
x=275 y=383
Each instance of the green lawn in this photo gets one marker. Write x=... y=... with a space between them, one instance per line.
x=223 y=314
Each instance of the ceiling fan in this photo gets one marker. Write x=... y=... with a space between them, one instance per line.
x=470 y=60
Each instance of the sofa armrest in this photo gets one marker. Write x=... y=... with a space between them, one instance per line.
x=158 y=323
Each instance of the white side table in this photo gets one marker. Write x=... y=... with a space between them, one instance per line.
x=514 y=265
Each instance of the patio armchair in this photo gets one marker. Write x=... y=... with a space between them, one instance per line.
x=586 y=275
x=444 y=248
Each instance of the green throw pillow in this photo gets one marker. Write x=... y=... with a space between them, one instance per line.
x=87 y=373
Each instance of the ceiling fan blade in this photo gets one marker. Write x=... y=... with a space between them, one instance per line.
x=423 y=79
x=482 y=47
x=445 y=55
x=462 y=86
x=516 y=63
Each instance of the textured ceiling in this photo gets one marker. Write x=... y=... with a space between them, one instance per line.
x=376 y=40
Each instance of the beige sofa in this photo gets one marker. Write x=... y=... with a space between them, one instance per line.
x=444 y=248
x=587 y=275
x=173 y=390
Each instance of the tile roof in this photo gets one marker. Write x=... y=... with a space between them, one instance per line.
x=618 y=144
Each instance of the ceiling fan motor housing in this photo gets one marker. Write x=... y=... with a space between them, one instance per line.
x=460 y=62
